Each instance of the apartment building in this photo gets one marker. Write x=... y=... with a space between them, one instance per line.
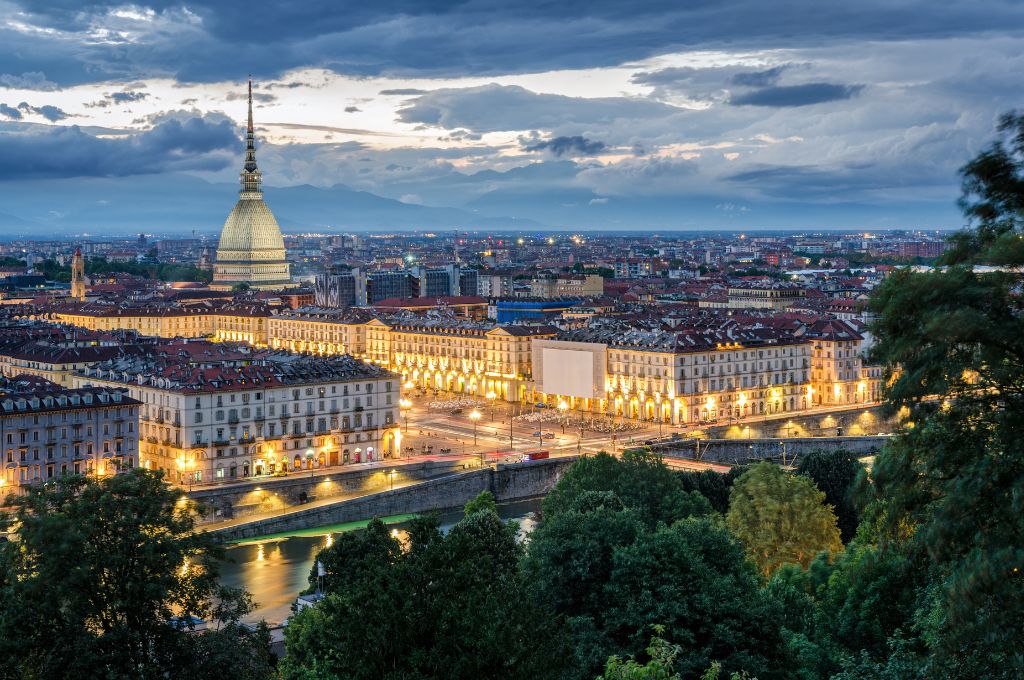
x=48 y=431
x=234 y=322
x=706 y=368
x=318 y=330
x=457 y=355
x=273 y=412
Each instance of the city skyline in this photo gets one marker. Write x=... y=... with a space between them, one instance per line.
x=662 y=117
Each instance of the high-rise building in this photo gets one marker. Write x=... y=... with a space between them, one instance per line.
x=251 y=249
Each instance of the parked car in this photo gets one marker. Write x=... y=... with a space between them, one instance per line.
x=537 y=433
x=549 y=435
x=540 y=404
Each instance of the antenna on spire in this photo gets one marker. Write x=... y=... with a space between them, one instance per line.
x=249 y=129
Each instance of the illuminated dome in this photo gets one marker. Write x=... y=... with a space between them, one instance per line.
x=251 y=249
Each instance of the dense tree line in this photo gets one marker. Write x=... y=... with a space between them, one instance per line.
x=55 y=271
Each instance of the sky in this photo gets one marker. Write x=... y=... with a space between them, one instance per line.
x=694 y=114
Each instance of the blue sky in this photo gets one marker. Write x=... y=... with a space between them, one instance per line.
x=605 y=114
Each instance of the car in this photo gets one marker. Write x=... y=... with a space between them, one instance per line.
x=537 y=433
x=280 y=473
x=457 y=411
x=540 y=404
x=549 y=435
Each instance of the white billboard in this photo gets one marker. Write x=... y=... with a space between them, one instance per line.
x=568 y=372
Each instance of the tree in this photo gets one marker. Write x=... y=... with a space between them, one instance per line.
x=662 y=656
x=952 y=483
x=781 y=518
x=692 y=578
x=106 y=578
x=444 y=605
x=484 y=502
x=834 y=472
x=640 y=479
x=569 y=565
x=714 y=486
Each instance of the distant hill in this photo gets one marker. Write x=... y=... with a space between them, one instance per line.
x=184 y=202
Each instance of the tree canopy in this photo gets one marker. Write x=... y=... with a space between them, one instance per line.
x=106 y=578
x=781 y=518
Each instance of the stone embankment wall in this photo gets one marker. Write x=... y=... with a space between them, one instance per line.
x=507 y=482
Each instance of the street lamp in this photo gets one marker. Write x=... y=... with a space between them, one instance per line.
x=491 y=396
x=474 y=416
x=563 y=407
x=405 y=405
x=391 y=475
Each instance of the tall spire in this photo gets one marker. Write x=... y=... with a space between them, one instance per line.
x=250 y=173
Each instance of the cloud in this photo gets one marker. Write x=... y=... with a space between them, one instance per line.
x=568 y=146
x=50 y=113
x=402 y=91
x=352 y=109
x=31 y=80
x=796 y=95
x=54 y=152
x=264 y=97
x=759 y=78
x=494 y=108
x=10 y=112
x=126 y=97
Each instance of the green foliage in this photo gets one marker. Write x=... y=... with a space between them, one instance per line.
x=99 y=570
x=781 y=518
x=660 y=667
x=485 y=502
x=639 y=479
x=714 y=486
x=98 y=265
x=451 y=606
x=835 y=473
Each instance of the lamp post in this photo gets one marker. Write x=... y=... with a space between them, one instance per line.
x=405 y=405
x=562 y=408
x=391 y=476
x=491 y=396
x=475 y=417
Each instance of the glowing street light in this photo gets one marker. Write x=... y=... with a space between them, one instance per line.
x=405 y=405
x=491 y=396
x=391 y=475
x=475 y=417
x=563 y=407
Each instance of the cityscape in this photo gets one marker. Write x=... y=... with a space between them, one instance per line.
x=496 y=372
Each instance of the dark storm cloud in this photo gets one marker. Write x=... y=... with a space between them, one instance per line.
x=52 y=152
x=50 y=113
x=759 y=78
x=796 y=95
x=494 y=108
x=568 y=146
x=402 y=91
x=352 y=109
x=201 y=40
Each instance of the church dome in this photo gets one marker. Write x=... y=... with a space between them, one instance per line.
x=250 y=233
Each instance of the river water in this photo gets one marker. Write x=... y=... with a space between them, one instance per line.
x=276 y=570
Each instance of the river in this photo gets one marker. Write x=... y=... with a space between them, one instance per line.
x=277 y=569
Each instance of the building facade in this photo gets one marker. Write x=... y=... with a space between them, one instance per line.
x=243 y=419
x=48 y=431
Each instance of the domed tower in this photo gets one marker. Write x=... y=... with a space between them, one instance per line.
x=251 y=249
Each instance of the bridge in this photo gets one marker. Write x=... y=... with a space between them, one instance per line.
x=507 y=482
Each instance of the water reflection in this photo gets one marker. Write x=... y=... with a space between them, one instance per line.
x=276 y=570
